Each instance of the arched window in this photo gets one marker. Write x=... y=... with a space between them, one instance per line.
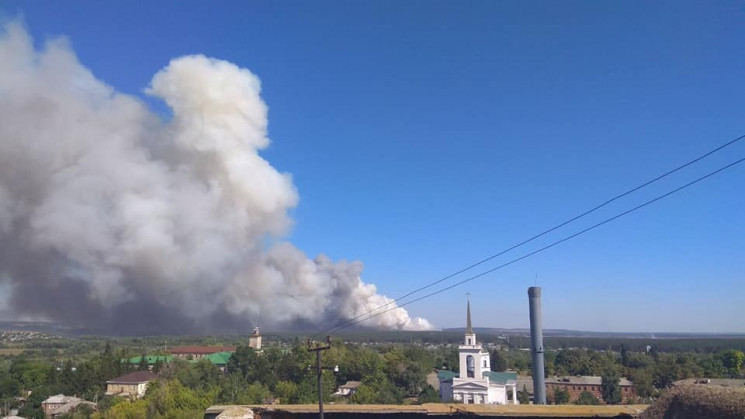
x=470 y=366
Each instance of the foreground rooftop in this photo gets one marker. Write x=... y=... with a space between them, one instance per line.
x=432 y=409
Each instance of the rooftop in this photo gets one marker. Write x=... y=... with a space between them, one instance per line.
x=134 y=378
x=500 y=377
x=351 y=384
x=721 y=382
x=61 y=398
x=445 y=409
x=589 y=380
x=200 y=350
x=219 y=358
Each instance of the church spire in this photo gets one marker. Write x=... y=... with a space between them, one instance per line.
x=469 y=329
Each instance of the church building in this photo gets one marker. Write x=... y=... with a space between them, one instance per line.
x=476 y=383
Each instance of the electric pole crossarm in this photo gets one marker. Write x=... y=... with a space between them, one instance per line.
x=319 y=369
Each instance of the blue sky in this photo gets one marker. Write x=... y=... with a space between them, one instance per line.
x=426 y=135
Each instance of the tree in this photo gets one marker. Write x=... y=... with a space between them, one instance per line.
x=611 y=387
x=523 y=396
x=286 y=391
x=158 y=365
x=498 y=363
x=732 y=360
x=643 y=383
x=429 y=395
x=587 y=398
x=142 y=365
x=561 y=396
x=127 y=410
x=624 y=356
x=256 y=393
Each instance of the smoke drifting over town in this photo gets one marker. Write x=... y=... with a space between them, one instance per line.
x=112 y=218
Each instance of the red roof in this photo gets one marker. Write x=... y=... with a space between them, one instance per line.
x=134 y=378
x=200 y=350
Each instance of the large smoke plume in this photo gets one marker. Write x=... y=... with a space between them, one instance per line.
x=111 y=217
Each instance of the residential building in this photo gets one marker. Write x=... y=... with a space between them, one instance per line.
x=132 y=385
x=349 y=388
x=476 y=383
x=575 y=385
x=59 y=405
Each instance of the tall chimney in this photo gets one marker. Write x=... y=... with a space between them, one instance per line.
x=536 y=345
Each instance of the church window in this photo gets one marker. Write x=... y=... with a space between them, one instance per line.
x=470 y=366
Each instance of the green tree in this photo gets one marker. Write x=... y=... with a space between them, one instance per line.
x=364 y=395
x=523 y=396
x=158 y=365
x=127 y=410
x=732 y=360
x=665 y=371
x=624 y=356
x=587 y=398
x=611 y=387
x=255 y=393
x=142 y=365
x=498 y=362
x=642 y=380
x=561 y=396
x=429 y=395
x=286 y=391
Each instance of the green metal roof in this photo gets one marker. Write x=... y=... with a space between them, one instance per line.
x=151 y=359
x=219 y=358
x=500 y=377
x=445 y=375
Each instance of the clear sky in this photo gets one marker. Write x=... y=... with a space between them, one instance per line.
x=426 y=135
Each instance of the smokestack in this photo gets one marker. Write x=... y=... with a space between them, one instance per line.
x=536 y=345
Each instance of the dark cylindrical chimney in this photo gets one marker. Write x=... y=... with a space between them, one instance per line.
x=536 y=345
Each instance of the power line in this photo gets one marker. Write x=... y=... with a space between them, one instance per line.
x=542 y=249
x=352 y=321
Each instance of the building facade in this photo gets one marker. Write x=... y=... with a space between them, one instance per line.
x=254 y=341
x=132 y=385
x=476 y=383
x=576 y=385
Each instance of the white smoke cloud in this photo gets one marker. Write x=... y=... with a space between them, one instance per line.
x=112 y=217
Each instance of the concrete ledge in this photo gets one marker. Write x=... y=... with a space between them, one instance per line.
x=438 y=409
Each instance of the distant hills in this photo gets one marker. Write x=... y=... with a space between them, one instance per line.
x=590 y=334
x=58 y=329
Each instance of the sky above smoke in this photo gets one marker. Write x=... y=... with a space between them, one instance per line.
x=113 y=218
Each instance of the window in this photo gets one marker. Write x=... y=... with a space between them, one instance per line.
x=484 y=363
x=470 y=366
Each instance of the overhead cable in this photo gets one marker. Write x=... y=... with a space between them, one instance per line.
x=539 y=235
x=371 y=314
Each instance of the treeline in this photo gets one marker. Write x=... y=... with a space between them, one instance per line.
x=389 y=373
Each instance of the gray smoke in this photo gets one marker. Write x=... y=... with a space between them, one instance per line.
x=112 y=218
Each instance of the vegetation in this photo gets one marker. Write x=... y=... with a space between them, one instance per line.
x=390 y=371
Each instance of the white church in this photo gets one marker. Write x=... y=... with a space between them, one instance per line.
x=476 y=383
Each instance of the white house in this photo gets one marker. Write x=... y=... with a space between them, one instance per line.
x=132 y=385
x=476 y=383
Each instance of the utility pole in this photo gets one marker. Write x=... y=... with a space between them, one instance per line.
x=317 y=349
